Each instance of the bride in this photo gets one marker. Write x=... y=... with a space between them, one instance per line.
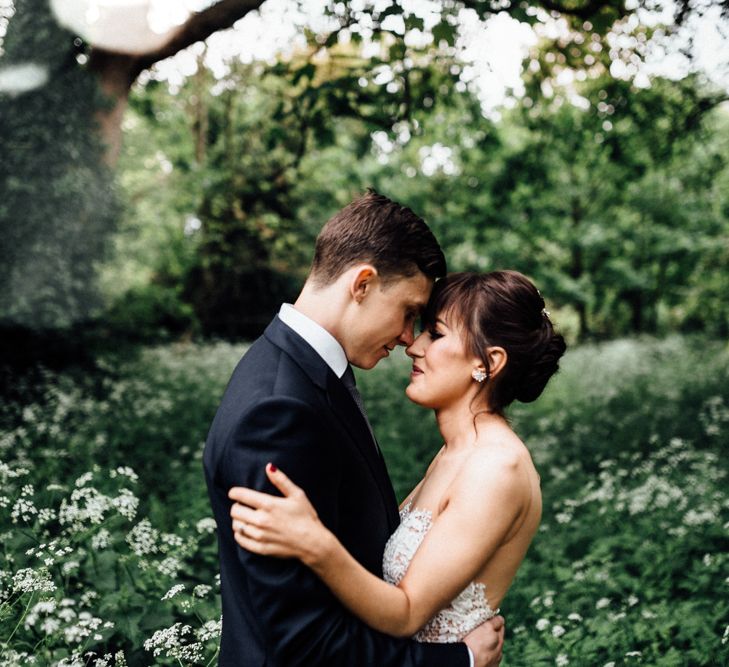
x=466 y=527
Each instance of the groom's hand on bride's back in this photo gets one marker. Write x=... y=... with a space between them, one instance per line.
x=487 y=642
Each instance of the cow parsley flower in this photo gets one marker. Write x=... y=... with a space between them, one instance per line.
x=28 y=580
x=143 y=538
x=177 y=588
x=206 y=525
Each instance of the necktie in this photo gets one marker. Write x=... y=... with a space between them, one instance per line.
x=351 y=385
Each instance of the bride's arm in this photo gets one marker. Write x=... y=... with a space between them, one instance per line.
x=485 y=505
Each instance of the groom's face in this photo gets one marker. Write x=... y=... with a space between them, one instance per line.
x=387 y=318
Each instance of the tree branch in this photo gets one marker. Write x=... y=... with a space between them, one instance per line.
x=199 y=27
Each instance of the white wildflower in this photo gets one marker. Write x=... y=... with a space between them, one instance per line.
x=575 y=617
x=602 y=603
x=126 y=503
x=66 y=614
x=28 y=580
x=84 y=479
x=699 y=518
x=45 y=607
x=143 y=538
x=23 y=510
x=177 y=588
x=168 y=642
x=50 y=625
x=542 y=624
x=101 y=540
x=88 y=597
x=633 y=600
x=125 y=471
x=70 y=566
x=86 y=505
x=170 y=566
x=562 y=660
x=206 y=525
x=46 y=515
x=171 y=540
x=557 y=631
x=210 y=630
x=201 y=590
x=633 y=654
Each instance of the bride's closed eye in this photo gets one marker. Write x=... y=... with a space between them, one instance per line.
x=434 y=335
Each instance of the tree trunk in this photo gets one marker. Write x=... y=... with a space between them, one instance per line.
x=117 y=71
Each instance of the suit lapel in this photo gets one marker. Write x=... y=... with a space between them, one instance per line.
x=349 y=415
x=341 y=403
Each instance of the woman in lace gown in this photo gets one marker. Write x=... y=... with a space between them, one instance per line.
x=466 y=527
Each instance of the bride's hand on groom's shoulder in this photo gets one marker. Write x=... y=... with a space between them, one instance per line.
x=286 y=527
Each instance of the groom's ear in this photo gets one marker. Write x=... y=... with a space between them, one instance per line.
x=362 y=282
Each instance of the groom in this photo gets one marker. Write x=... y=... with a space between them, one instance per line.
x=292 y=401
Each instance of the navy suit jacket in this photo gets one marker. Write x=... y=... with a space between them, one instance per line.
x=285 y=405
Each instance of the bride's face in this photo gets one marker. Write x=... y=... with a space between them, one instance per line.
x=442 y=366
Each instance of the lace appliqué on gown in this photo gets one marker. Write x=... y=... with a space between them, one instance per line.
x=467 y=611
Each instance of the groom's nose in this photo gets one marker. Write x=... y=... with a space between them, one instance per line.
x=407 y=335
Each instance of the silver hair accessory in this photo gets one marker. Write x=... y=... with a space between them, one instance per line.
x=545 y=312
x=479 y=375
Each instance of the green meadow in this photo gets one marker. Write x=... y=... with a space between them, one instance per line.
x=108 y=547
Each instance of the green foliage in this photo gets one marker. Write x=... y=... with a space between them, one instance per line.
x=57 y=204
x=632 y=553
x=109 y=545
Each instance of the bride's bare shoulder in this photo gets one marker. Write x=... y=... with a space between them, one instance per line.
x=497 y=466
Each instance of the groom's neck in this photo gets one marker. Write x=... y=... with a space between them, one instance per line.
x=324 y=305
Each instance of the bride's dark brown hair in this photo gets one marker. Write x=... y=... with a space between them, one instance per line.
x=504 y=309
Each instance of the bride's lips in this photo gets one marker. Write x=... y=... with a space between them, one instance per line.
x=415 y=371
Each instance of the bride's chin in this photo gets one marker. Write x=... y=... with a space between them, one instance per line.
x=412 y=393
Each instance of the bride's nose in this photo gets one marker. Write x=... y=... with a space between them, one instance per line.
x=415 y=349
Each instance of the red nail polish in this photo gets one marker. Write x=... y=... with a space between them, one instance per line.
x=273 y=467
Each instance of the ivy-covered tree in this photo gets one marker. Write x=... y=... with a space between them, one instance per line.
x=57 y=200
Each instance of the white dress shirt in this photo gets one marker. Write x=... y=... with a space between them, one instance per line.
x=327 y=347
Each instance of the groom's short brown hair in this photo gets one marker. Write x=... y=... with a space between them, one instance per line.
x=381 y=232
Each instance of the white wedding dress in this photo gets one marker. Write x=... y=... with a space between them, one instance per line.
x=467 y=611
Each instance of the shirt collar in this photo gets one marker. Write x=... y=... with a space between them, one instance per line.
x=325 y=345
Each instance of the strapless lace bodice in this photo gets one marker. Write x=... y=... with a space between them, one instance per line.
x=469 y=609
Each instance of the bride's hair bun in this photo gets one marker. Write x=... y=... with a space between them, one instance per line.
x=504 y=309
x=544 y=366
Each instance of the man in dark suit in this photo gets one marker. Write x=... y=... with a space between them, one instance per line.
x=292 y=401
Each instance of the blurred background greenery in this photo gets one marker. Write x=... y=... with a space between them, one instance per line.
x=182 y=198
x=159 y=200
